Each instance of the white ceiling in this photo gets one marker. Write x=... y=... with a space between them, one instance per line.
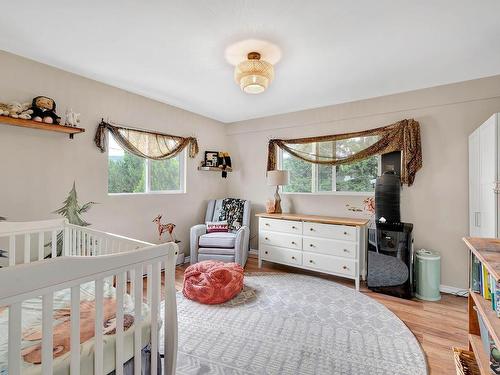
x=332 y=51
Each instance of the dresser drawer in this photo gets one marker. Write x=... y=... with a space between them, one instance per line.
x=285 y=226
x=345 y=249
x=280 y=255
x=320 y=262
x=336 y=232
x=280 y=239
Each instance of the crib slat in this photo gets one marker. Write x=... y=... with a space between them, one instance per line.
x=120 y=284
x=75 y=330
x=73 y=247
x=87 y=247
x=27 y=248
x=47 y=333
x=137 y=319
x=99 y=320
x=78 y=243
x=54 y=244
x=94 y=245
x=41 y=247
x=66 y=247
x=15 y=338
x=12 y=250
x=131 y=275
x=170 y=316
x=155 y=298
x=149 y=283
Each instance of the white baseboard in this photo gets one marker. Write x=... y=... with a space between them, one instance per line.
x=453 y=290
x=254 y=252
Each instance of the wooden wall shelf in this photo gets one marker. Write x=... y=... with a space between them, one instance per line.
x=41 y=125
x=214 y=169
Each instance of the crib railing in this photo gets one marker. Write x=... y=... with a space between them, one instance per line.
x=62 y=239
x=45 y=277
x=90 y=256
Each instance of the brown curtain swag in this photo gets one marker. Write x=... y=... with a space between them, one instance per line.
x=401 y=136
x=144 y=143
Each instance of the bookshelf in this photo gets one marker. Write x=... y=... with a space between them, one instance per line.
x=487 y=251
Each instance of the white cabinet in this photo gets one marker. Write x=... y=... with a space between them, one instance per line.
x=330 y=245
x=483 y=176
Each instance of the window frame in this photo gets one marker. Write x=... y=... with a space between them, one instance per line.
x=314 y=179
x=182 y=177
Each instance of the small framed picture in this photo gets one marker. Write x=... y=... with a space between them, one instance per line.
x=211 y=158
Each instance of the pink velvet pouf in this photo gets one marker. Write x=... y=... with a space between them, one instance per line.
x=212 y=282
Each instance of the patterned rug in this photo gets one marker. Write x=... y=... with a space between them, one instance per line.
x=295 y=324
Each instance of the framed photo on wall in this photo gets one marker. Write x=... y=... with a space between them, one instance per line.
x=211 y=158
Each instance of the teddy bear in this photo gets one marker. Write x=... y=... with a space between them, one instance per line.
x=22 y=111
x=44 y=110
x=4 y=109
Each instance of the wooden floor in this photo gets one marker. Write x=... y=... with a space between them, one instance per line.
x=438 y=326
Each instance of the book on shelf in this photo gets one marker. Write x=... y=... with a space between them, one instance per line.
x=485 y=283
x=475 y=282
x=493 y=287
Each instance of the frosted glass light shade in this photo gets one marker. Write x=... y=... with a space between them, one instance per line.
x=277 y=178
x=253 y=75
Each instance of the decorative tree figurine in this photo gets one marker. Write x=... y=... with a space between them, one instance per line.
x=72 y=210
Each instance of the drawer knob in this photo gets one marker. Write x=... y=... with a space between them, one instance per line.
x=311 y=229
x=266 y=238
x=311 y=261
x=344 y=267
x=265 y=252
x=346 y=251
x=311 y=245
x=294 y=227
x=293 y=257
x=345 y=233
x=293 y=243
x=267 y=224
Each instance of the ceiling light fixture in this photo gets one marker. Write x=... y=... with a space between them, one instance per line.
x=254 y=75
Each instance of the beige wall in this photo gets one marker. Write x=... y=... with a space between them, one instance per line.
x=37 y=168
x=437 y=203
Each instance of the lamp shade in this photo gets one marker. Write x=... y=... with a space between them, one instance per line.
x=277 y=178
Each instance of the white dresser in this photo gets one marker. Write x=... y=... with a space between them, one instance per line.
x=336 y=246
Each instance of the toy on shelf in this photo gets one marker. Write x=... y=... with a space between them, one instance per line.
x=162 y=228
x=16 y=110
x=71 y=118
x=44 y=110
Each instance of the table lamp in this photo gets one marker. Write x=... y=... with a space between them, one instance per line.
x=277 y=178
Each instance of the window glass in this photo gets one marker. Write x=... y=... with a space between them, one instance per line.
x=128 y=173
x=300 y=171
x=352 y=177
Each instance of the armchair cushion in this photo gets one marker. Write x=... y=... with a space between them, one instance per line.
x=218 y=239
x=216 y=251
x=232 y=211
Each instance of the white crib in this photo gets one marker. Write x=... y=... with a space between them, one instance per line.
x=86 y=255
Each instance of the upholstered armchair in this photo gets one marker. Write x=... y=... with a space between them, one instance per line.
x=223 y=246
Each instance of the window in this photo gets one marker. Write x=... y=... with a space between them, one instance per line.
x=128 y=173
x=357 y=177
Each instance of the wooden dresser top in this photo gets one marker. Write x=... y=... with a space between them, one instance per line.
x=317 y=219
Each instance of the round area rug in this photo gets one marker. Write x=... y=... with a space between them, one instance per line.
x=295 y=324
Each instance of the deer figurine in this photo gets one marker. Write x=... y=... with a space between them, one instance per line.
x=162 y=228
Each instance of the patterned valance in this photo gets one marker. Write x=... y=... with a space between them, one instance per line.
x=401 y=136
x=144 y=143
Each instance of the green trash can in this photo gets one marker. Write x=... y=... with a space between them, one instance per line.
x=428 y=275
